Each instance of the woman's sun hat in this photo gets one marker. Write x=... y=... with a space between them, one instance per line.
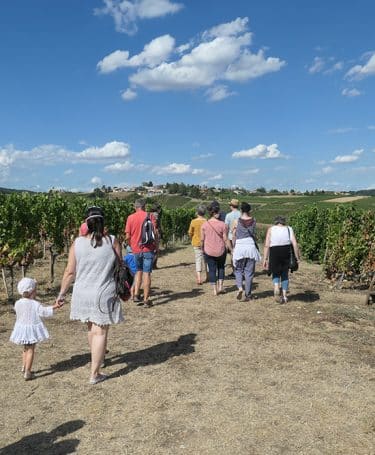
x=26 y=285
x=234 y=203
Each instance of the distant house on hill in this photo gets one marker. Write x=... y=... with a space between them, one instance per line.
x=151 y=191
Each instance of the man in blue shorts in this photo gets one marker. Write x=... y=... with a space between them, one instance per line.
x=143 y=253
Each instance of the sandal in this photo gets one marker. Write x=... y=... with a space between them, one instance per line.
x=98 y=378
x=239 y=294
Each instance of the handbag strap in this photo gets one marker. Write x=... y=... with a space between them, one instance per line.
x=113 y=249
x=214 y=229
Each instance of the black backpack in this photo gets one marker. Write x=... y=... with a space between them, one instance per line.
x=148 y=236
x=123 y=279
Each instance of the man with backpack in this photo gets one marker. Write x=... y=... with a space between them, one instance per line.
x=141 y=234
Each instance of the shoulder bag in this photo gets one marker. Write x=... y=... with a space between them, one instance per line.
x=293 y=263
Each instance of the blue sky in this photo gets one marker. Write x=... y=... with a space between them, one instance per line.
x=266 y=93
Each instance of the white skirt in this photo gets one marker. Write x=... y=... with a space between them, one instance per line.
x=29 y=333
x=245 y=248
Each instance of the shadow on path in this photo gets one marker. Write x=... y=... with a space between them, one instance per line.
x=305 y=296
x=169 y=296
x=45 y=443
x=76 y=361
x=153 y=355
x=264 y=294
x=178 y=264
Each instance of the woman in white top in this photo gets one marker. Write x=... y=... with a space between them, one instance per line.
x=245 y=252
x=94 y=301
x=277 y=246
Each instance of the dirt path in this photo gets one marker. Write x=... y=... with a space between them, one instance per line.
x=198 y=374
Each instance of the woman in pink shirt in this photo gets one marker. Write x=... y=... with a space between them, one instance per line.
x=213 y=241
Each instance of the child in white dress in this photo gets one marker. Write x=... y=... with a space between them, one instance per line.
x=29 y=328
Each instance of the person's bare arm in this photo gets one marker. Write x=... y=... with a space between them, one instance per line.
x=68 y=277
x=295 y=246
x=117 y=248
x=233 y=230
x=225 y=236
x=266 y=250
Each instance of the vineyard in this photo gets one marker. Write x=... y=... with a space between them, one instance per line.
x=340 y=237
x=44 y=226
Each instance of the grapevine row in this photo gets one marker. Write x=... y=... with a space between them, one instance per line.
x=342 y=238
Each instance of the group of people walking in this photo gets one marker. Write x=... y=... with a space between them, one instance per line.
x=93 y=255
x=214 y=238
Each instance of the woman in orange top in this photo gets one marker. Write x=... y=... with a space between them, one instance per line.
x=195 y=235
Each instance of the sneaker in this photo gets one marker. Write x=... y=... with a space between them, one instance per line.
x=97 y=379
x=28 y=375
x=137 y=300
x=283 y=300
x=148 y=304
x=239 y=294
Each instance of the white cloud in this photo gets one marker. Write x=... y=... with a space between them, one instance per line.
x=260 y=151
x=176 y=168
x=335 y=67
x=220 y=54
x=6 y=158
x=96 y=181
x=327 y=170
x=325 y=65
x=250 y=66
x=362 y=71
x=218 y=93
x=236 y=27
x=342 y=130
x=251 y=171
x=216 y=177
x=113 y=61
x=112 y=149
x=351 y=92
x=317 y=65
x=371 y=127
x=128 y=95
x=155 y=52
x=348 y=158
x=126 y=13
x=68 y=172
x=119 y=167
x=203 y=156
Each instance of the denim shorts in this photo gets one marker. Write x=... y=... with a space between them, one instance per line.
x=144 y=261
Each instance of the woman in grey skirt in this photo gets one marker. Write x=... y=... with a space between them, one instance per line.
x=91 y=264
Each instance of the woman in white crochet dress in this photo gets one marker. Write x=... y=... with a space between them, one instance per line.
x=91 y=264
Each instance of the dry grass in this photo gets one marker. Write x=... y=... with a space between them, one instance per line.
x=199 y=374
x=346 y=199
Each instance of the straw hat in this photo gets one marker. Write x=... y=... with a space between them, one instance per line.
x=234 y=203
